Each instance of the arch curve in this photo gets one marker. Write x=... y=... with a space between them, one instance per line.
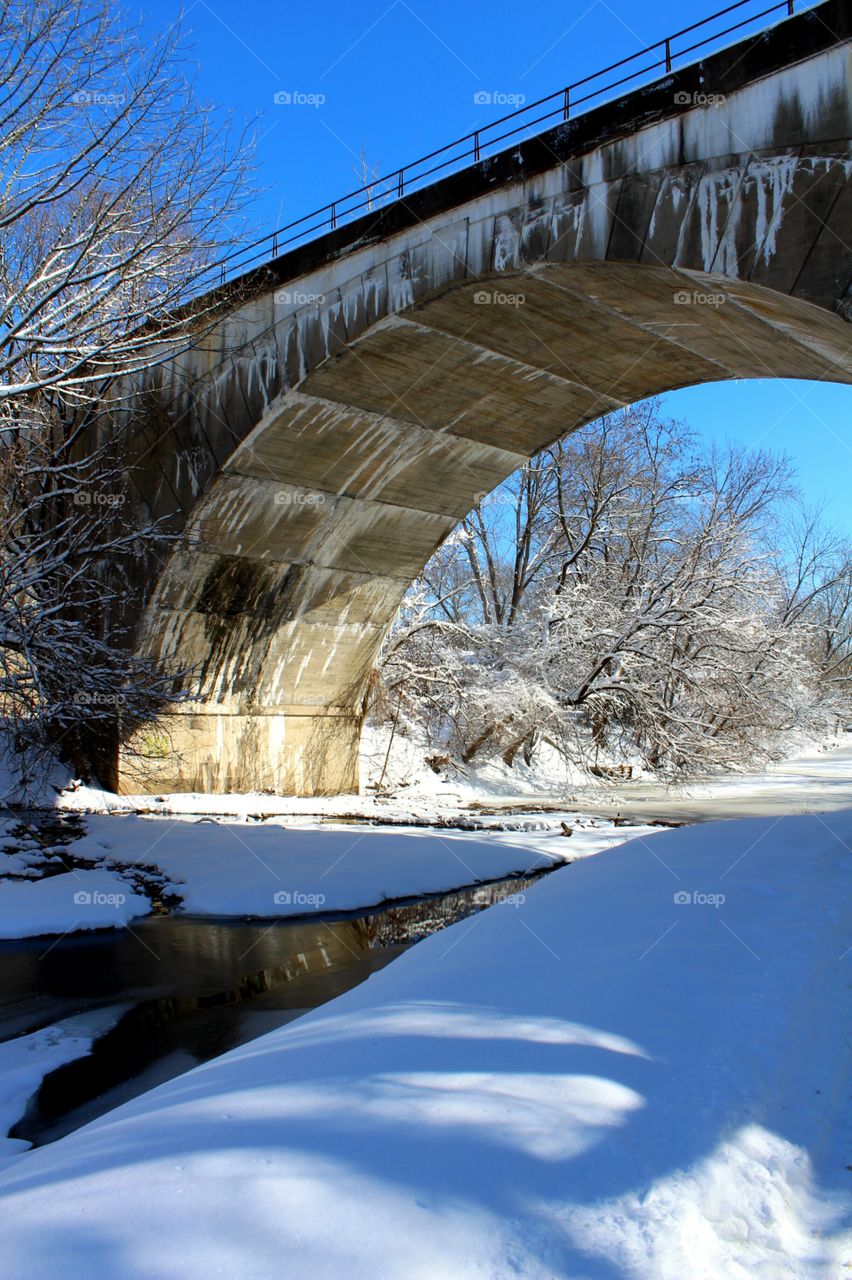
x=329 y=434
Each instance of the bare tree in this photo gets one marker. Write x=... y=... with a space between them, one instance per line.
x=622 y=597
x=118 y=189
x=368 y=175
x=816 y=567
x=67 y=558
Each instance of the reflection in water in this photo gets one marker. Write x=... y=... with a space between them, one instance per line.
x=198 y=987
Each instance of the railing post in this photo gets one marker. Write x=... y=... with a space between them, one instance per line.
x=332 y=219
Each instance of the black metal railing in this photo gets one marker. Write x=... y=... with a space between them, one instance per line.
x=473 y=147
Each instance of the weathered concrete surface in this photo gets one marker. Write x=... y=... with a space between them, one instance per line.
x=315 y=450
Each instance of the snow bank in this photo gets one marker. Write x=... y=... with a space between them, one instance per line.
x=638 y=1072
x=26 y=1060
x=29 y=781
x=820 y=773
x=67 y=902
x=269 y=870
x=230 y=869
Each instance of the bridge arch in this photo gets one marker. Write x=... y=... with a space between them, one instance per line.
x=325 y=438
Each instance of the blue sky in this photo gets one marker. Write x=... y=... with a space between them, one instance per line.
x=809 y=421
x=401 y=77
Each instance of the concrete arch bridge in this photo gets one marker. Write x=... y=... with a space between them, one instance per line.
x=359 y=394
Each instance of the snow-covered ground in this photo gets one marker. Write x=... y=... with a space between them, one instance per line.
x=265 y=857
x=817 y=780
x=26 y=1060
x=68 y=902
x=820 y=773
x=234 y=869
x=641 y=1071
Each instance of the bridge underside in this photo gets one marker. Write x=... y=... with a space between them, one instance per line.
x=294 y=563
x=312 y=449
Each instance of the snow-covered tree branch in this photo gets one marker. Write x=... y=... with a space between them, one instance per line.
x=118 y=190
x=624 y=599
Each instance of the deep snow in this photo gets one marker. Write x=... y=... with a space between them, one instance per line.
x=233 y=869
x=65 y=903
x=605 y=1081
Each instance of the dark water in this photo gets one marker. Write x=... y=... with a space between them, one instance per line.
x=195 y=988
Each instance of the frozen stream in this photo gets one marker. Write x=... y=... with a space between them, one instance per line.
x=185 y=989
